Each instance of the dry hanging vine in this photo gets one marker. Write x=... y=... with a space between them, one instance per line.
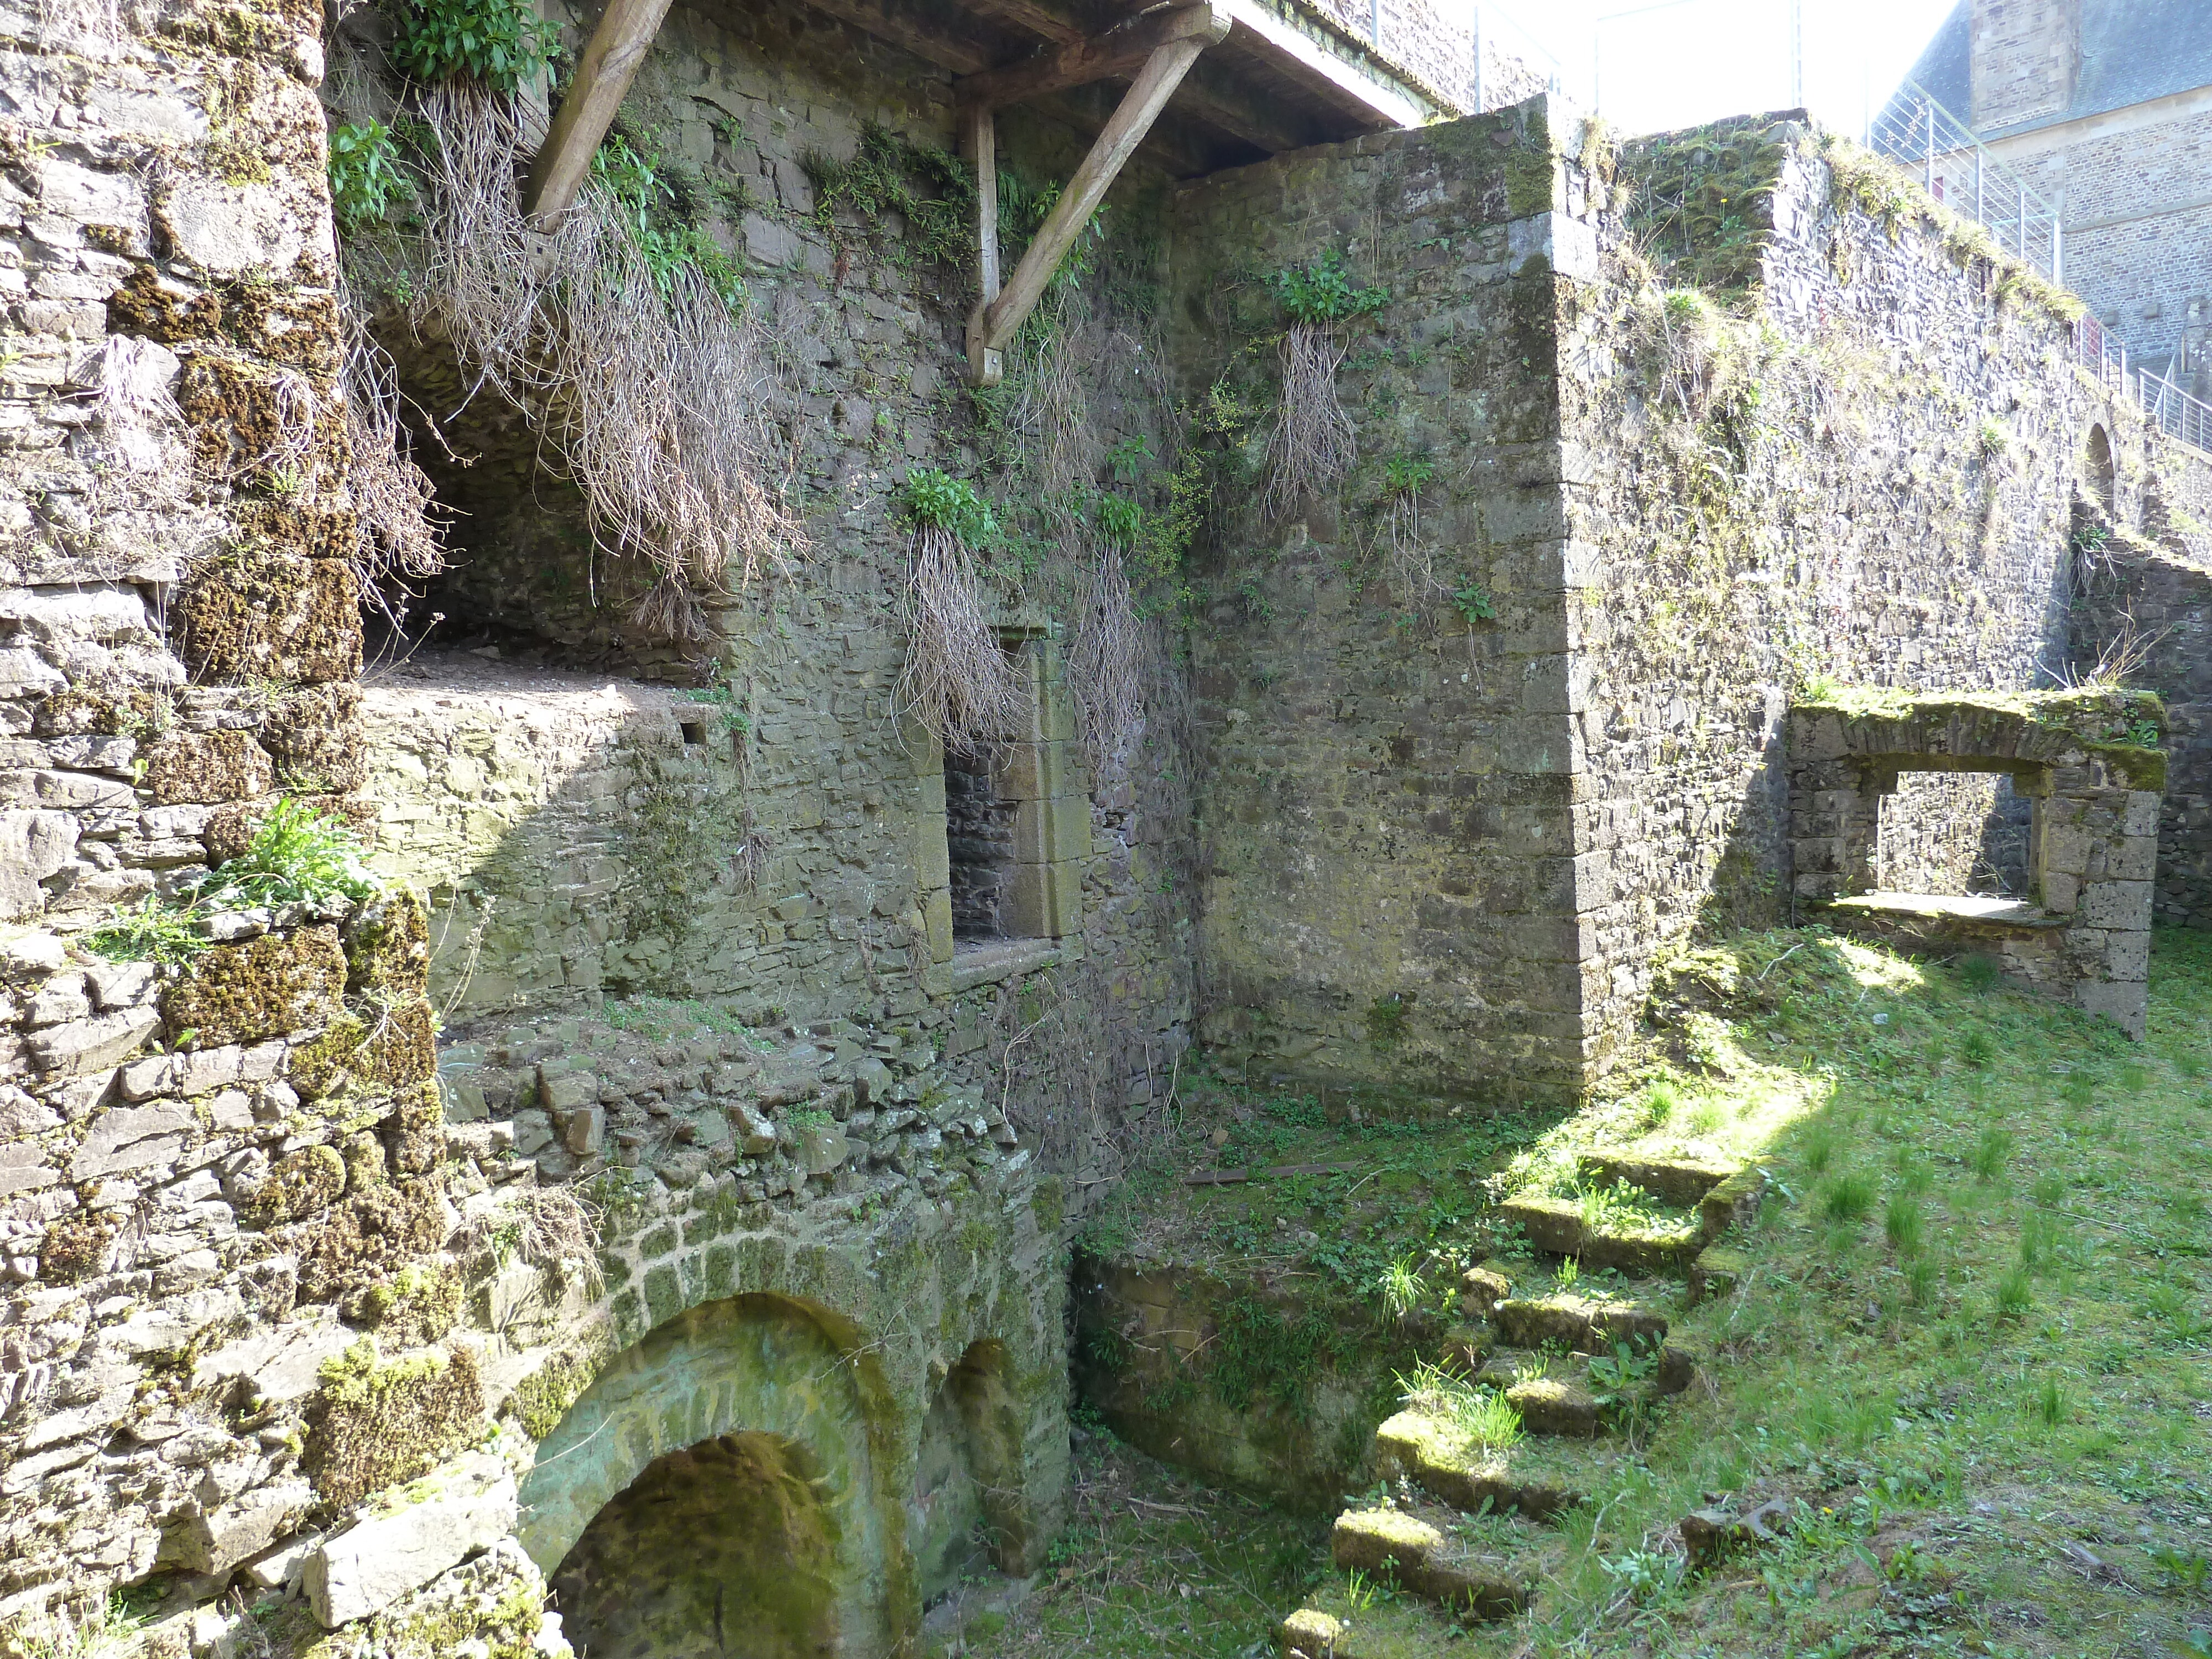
x=1314 y=443
x=958 y=683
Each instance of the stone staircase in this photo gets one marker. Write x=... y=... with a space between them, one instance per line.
x=1466 y=1528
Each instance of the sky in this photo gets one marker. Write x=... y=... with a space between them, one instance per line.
x=1681 y=64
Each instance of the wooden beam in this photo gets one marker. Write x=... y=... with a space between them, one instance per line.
x=1213 y=93
x=980 y=139
x=1037 y=19
x=931 y=38
x=617 y=46
x=1342 y=82
x=994 y=323
x=1105 y=56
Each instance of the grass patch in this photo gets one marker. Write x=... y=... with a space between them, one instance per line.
x=2012 y=1374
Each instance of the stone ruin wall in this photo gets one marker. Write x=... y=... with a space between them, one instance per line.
x=1905 y=522
x=218 y=1181
x=1385 y=837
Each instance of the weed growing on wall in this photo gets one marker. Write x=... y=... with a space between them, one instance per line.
x=932 y=191
x=958 y=683
x=495 y=45
x=1314 y=443
x=624 y=341
x=366 y=173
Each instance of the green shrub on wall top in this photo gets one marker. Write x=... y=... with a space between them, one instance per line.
x=933 y=500
x=499 y=44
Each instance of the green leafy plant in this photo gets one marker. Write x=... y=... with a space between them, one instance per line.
x=657 y=217
x=296 y=854
x=1905 y=1222
x=1400 y=1285
x=1386 y=1021
x=498 y=43
x=932 y=191
x=1641 y=1575
x=1473 y=601
x=2014 y=1294
x=148 y=931
x=933 y=500
x=366 y=173
x=1321 y=291
x=2182 y=1572
x=1991 y=1153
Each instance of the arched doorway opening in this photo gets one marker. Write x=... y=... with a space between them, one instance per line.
x=725 y=1548
x=720 y=1481
x=967 y=1515
x=2097 y=465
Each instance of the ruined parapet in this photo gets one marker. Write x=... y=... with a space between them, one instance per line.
x=2091 y=764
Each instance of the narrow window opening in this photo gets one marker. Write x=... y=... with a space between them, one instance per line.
x=694 y=731
x=979 y=836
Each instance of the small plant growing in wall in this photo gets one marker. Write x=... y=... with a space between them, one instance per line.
x=495 y=44
x=366 y=175
x=956 y=681
x=1314 y=443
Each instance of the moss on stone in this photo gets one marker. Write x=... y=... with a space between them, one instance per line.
x=76 y=1247
x=371 y=1425
x=541 y=1399
x=207 y=766
x=414 y=1134
x=369 y=1236
x=413 y=1308
x=267 y=988
x=314 y=739
x=299 y=1185
x=256 y=615
x=380 y=1046
x=387 y=946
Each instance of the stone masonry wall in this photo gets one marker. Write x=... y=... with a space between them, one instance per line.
x=1896 y=467
x=1384 y=810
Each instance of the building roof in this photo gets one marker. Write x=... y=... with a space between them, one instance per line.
x=2132 y=51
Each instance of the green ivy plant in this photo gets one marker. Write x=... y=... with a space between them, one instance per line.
x=1321 y=292
x=498 y=43
x=933 y=190
x=366 y=173
x=933 y=500
x=1473 y=601
x=659 y=221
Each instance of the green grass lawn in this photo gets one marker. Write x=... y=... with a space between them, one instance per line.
x=1977 y=1341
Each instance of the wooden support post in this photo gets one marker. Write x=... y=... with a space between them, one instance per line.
x=979 y=138
x=994 y=322
x=617 y=46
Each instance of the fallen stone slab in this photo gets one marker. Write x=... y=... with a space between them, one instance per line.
x=1710 y=1533
x=469 y=1507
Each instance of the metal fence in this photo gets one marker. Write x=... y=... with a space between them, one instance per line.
x=1931 y=144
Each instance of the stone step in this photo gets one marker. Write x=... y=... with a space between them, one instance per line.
x=1578 y=1324
x=1717 y=1272
x=1554 y=1226
x=1418 y=1555
x=1436 y=1459
x=1556 y=1405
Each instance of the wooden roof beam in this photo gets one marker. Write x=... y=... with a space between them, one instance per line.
x=1106 y=57
x=609 y=62
x=994 y=320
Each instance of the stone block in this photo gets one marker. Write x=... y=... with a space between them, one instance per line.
x=1031 y=771
x=130 y=1137
x=2127 y=955
x=937 y=922
x=1044 y=900
x=2133 y=859
x=933 y=855
x=561 y=1093
x=34 y=845
x=2123 y=904
x=1052 y=831
x=2124 y=1002
x=84 y=1047
x=2061 y=894
x=23 y=1169
x=583 y=1129
x=218 y=1540
x=371 y=1564
x=754 y=1133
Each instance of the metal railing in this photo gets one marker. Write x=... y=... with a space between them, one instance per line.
x=1933 y=145
x=1918 y=134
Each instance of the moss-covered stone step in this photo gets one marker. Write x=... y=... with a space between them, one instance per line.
x=1577 y=1324
x=1558 y=1405
x=1530 y=1478
x=1417 y=1554
x=1717 y=1272
x=1682 y=1182
x=1554 y=1226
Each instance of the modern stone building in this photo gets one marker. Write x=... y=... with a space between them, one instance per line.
x=686 y=1110
x=2105 y=107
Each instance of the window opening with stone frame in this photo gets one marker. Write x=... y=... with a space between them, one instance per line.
x=1016 y=820
x=1959 y=833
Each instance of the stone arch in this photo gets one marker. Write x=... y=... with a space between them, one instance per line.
x=752 y=1399
x=2098 y=467
x=968 y=1504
